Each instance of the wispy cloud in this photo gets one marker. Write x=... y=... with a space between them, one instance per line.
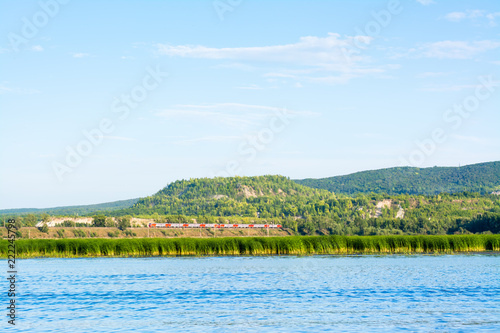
x=455 y=87
x=37 y=48
x=236 y=65
x=281 y=75
x=430 y=74
x=214 y=138
x=119 y=138
x=471 y=139
x=340 y=55
x=459 y=16
x=425 y=2
x=492 y=17
x=80 y=55
x=251 y=87
x=451 y=49
x=45 y=155
x=308 y=51
x=474 y=15
x=4 y=89
x=228 y=114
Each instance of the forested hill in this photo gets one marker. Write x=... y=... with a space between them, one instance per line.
x=72 y=210
x=482 y=178
x=270 y=196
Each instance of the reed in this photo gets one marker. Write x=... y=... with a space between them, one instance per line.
x=292 y=245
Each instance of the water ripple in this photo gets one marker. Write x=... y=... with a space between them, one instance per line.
x=255 y=294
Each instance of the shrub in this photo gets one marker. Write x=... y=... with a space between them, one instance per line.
x=99 y=221
x=124 y=222
x=114 y=234
x=44 y=228
x=130 y=233
x=68 y=223
x=110 y=223
x=79 y=233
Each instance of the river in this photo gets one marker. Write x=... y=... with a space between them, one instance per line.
x=365 y=293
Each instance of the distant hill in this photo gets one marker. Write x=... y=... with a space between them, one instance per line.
x=482 y=178
x=266 y=196
x=72 y=210
x=307 y=210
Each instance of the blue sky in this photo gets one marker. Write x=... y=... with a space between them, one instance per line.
x=111 y=100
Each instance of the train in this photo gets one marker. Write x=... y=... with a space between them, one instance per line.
x=212 y=226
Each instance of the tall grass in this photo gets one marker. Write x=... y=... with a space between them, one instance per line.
x=294 y=245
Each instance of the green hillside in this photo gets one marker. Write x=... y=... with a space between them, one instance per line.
x=309 y=211
x=72 y=210
x=481 y=178
x=264 y=196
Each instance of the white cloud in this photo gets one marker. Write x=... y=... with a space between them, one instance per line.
x=235 y=65
x=127 y=58
x=37 y=48
x=282 y=75
x=474 y=14
x=455 y=16
x=4 y=89
x=454 y=49
x=308 y=51
x=311 y=54
x=430 y=74
x=45 y=155
x=471 y=139
x=251 y=87
x=119 y=138
x=492 y=18
x=425 y=2
x=228 y=114
x=468 y=14
x=456 y=87
x=80 y=55
x=214 y=138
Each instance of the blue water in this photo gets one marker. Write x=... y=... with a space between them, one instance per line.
x=459 y=293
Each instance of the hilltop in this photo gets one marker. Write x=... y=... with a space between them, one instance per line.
x=306 y=210
x=482 y=178
x=264 y=196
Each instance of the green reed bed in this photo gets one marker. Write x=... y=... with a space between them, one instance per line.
x=292 y=245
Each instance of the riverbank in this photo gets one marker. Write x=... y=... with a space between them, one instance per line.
x=292 y=245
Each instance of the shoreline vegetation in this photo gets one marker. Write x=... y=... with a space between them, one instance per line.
x=234 y=246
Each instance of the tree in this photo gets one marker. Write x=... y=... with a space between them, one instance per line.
x=68 y=223
x=124 y=222
x=30 y=220
x=18 y=223
x=44 y=228
x=110 y=223
x=45 y=217
x=156 y=217
x=99 y=221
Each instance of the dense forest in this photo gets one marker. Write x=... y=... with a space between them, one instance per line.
x=309 y=211
x=482 y=178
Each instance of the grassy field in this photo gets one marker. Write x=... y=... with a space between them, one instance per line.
x=292 y=245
